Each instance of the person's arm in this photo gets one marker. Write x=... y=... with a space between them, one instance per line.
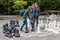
x=25 y=13
x=39 y=12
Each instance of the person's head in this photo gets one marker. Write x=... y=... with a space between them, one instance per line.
x=35 y=5
x=32 y=6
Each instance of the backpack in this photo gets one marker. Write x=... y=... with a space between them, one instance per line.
x=21 y=12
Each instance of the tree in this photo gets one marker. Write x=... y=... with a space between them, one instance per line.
x=9 y=6
x=19 y=4
x=49 y=4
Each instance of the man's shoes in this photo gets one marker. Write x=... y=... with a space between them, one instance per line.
x=27 y=31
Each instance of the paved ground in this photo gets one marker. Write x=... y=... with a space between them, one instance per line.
x=29 y=36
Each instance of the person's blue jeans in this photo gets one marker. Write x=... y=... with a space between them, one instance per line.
x=33 y=21
x=24 y=23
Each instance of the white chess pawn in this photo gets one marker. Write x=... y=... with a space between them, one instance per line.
x=38 y=29
x=58 y=25
x=46 y=26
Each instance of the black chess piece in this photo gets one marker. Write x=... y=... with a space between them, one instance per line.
x=16 y=33
x=17 y=23
x=12 y=25
x=12 y=22
x=9 y=33
x=11 y=30
x=5 y=28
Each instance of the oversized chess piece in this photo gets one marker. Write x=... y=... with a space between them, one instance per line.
x=12 y=25
x=12 y=22
x=11 y=30
x=5 y=28
x=17 y=23
x=16 y=32
x=7 y=31
x=38 y=29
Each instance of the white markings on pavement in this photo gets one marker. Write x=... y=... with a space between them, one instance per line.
x=36 y=34
x=10 y=39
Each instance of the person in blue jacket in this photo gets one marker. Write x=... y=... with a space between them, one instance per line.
x=34 y=14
